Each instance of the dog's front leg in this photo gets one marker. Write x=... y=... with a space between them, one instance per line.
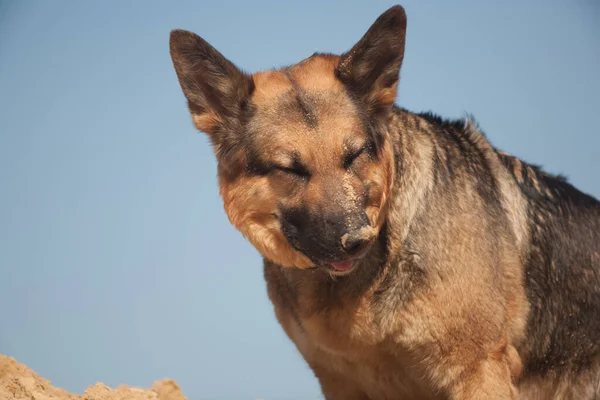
x=490 y=379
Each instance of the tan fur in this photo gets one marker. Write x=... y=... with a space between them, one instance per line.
x=316 y=74
x=435 y=305
x=205 y=122
x=440 y=334
x=335 y=342
x=269 y=85
x=382 y=177
x=251 y=203
x=249 y=206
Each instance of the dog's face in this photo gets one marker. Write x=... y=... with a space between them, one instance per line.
x=304 y=156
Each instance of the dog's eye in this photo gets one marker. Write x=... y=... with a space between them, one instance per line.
x=295 y=170
x=351 y=157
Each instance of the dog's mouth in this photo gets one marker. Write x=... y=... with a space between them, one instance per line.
x=332 y=262
x=343 y=265
x=340 y=268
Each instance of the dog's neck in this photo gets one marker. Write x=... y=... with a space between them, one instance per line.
x=413 y=152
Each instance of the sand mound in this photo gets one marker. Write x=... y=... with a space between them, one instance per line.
x=19 y=382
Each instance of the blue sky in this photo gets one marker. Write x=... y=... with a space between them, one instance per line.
x=117 y=262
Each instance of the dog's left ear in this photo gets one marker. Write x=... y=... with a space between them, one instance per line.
x=371 y=69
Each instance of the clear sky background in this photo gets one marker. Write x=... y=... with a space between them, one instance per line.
x=117 y=261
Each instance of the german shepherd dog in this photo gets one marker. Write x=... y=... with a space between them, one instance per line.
x=406 y=257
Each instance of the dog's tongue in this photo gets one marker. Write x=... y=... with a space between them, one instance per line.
x=342 y=265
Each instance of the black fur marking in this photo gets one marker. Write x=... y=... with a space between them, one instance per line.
x=463 y=152
x=562 y=269
x=303 y=102
x=562 y=275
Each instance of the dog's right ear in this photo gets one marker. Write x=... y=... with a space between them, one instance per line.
x=214 y=87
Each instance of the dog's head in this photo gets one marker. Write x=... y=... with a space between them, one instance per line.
x=304 y=156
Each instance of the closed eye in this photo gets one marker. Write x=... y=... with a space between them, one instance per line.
x=296 y=170
x=351 y=157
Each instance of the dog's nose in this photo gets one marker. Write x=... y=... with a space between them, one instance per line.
x=355 y=241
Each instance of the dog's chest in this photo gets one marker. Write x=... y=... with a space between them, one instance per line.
x=345 y=330
x=378 y=366
x=389 y=382
x=357 y=343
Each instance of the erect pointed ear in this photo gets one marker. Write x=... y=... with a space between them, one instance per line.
x=213 y=86
x=371 y=69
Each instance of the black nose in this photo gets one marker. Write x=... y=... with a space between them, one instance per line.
x=354 y=242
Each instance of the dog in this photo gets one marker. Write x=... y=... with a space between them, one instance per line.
x=406 y=257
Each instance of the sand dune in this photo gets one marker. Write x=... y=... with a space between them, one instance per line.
x=19 y=382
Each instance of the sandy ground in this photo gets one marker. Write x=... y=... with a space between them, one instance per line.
x=19 y=382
